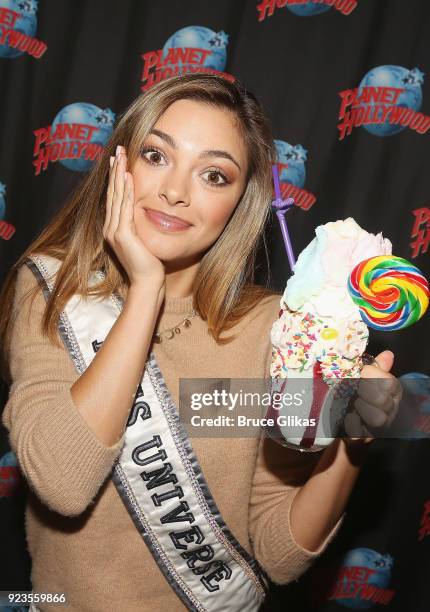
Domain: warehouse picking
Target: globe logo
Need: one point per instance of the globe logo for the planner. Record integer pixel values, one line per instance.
(308, 9)
(411, 97)
(26, 23)
(2, 201)
(418, 384)
(416, 400)
(292, 163)
(304, 8)
(84, 113)
(9, 474)
(365, 574)
(199, 37)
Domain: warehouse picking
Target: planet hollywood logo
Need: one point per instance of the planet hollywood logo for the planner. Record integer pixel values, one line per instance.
(7, 230)
(18, 24)
(385, 103)
(292, 173)
(9, 475)
(76, 137)
(420, 233)
(304, 8)
(363, 579)
(190, 49)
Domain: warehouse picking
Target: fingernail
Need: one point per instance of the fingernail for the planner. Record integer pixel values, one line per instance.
(118, 151)
(111, 160)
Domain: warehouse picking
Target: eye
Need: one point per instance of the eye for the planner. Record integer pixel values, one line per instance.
(152, 156)
(214, 176)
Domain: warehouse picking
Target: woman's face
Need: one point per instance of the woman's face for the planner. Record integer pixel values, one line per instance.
(192, 166)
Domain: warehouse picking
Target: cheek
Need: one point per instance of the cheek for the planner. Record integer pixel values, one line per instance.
(140, 221)
(145, 184)
(217, 211)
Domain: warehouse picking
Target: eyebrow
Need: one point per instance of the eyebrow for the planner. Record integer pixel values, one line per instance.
(203, 154)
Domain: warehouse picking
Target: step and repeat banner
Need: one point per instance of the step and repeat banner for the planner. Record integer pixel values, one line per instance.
(346, 84)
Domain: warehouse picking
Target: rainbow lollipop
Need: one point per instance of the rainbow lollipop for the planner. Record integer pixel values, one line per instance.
(390, 292)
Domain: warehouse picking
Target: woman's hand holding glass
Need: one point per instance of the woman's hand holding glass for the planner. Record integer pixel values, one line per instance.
(377, 402)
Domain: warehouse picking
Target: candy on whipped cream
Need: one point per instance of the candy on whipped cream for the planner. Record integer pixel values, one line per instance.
(302, 338)
(319, 320)
(319, 334)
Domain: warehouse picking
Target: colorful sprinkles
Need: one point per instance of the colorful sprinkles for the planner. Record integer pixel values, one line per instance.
(297, 342)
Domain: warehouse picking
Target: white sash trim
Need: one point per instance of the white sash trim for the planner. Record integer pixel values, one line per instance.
(158, 475)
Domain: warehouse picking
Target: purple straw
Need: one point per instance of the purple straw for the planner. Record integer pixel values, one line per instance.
(276, 182)
(282, 206)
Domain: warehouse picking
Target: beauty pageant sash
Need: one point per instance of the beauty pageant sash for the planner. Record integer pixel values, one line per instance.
(158, 475)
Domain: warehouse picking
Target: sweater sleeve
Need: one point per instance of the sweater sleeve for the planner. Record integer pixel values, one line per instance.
(62, 459)
(279, 474)
(278, 477)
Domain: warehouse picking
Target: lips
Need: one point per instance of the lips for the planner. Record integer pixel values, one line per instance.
(162, 218)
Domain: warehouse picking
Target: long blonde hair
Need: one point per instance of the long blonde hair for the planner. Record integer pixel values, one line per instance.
(224, 289)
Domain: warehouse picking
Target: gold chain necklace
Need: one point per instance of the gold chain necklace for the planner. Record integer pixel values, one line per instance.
(186, 322)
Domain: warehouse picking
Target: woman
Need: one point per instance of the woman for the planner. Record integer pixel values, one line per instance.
(123, 513)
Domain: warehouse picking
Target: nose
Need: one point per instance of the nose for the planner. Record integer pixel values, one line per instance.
(174, 188)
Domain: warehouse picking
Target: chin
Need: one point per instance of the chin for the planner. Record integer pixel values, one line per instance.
(160, 247)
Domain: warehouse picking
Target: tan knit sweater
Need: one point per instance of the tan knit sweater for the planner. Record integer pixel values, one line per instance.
(80, 536)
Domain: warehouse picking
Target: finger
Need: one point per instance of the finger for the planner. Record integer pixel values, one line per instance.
(397, 390)
(127, 212)
(374, 371)
(132, 200)
(370, 391)
(109, 194)
(385, 360)
(393, 413)
(371, 415)
(386, 382)
(366, 433)
(352, 425)
(118, 193)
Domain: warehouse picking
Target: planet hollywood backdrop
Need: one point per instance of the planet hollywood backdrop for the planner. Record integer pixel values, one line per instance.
(347, 86)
